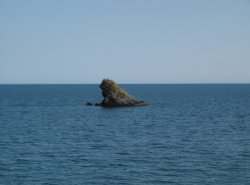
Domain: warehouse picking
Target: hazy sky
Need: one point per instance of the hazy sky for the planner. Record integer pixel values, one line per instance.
(130, 41)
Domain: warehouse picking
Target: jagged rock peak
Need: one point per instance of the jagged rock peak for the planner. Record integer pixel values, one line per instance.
(115, 96)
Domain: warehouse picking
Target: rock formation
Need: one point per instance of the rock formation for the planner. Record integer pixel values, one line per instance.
(115, 96)
(89, 104)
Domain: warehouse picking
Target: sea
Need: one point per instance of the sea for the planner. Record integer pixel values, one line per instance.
(190, 134)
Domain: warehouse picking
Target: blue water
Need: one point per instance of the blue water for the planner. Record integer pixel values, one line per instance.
(189, 134)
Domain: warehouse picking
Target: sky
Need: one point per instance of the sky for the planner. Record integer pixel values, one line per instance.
(129, 41)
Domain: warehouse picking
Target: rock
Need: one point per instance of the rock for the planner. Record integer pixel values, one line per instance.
(89, 104)
(115, 96)
(98, 104)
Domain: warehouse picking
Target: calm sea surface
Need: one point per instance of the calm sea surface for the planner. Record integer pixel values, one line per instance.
(189, 134)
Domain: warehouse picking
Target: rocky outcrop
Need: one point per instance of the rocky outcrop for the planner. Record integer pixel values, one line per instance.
(115, 96)
(89, 104)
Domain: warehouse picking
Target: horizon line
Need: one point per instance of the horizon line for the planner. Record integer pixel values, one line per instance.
(210, 83)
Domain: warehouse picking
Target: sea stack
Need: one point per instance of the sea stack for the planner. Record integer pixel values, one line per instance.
(115, 96)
